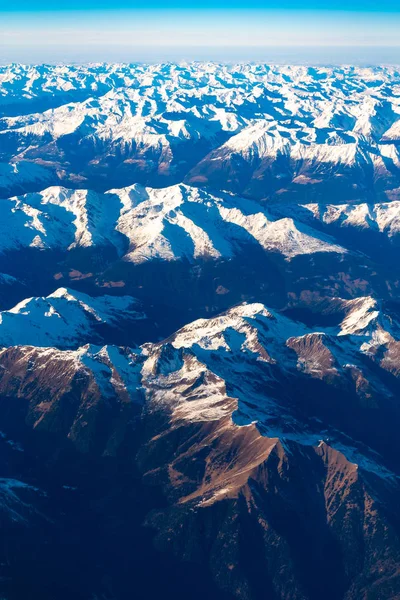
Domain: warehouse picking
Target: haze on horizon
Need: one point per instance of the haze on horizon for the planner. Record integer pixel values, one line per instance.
(271, 31)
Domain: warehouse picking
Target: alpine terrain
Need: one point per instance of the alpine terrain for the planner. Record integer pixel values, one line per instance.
(199, 332)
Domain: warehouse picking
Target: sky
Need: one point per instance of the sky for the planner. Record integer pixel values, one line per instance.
(324, 31)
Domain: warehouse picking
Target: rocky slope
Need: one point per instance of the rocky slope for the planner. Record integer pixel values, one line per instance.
(241, 424)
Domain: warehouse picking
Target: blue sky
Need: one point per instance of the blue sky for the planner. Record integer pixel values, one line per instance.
(53, 5)
(362, 31)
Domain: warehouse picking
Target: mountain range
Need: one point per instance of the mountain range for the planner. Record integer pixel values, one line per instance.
(199, 332)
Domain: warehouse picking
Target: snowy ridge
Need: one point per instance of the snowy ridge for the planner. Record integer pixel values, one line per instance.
(64, 319)
(236, 365)
(383, 217)
(170, 223)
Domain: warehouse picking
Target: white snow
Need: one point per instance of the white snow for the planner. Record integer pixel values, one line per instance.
(63, 319)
